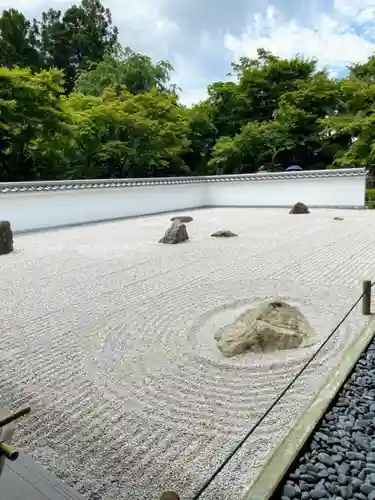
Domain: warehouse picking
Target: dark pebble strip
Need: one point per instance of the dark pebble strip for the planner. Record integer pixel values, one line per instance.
(340, 461)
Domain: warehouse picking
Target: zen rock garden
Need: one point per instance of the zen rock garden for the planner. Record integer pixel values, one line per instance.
(271, 326)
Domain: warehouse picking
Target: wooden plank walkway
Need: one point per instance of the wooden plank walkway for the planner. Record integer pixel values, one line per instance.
(25, 479)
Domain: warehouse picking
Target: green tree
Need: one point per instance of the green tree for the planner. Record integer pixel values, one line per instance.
(76, 39)
(298, 121)
(19, 45)
(126, 135)
(30, 117)
(124, 68)
(202, 136)
(263, 82)
(253, 147)
(225, 106)
(354, 125)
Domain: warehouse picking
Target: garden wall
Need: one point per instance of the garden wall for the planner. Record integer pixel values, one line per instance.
(38, 205)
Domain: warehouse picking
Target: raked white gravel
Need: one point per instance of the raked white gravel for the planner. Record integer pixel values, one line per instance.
(108, 335)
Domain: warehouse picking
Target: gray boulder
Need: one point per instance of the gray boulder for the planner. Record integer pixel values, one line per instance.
(6, 237)
(299, 208)
(223, 233)
(175, 234)
(182, 218)
(338, 218)
(271, 326)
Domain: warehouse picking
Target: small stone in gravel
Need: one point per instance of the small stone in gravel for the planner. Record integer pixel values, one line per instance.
(357, 464)
(312, 468)
(354, 455)
(318, 493)
(182, 218)
(289, 491)
(331, 488)
(308, 478)
(344, 491)
(223, 233)
(366, 489)
(342, 479)
(320, 466)
(356, 483)
(342, 468)
(360, 496)
(371, 496)
(325, 459)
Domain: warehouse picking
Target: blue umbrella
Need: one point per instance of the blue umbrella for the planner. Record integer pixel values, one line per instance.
(294, 167)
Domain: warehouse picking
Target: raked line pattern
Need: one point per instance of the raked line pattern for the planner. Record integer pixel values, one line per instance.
(109, 337)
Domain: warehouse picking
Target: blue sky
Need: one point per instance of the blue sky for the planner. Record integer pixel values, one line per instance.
(201, 37)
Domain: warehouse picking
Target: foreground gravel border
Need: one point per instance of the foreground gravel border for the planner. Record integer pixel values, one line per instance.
(340, 460)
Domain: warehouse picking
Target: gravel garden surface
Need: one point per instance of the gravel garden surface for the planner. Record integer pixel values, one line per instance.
(109, 336)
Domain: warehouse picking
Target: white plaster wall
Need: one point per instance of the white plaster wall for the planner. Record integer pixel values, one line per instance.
(314, 192)
(35, 210)
(30, 210)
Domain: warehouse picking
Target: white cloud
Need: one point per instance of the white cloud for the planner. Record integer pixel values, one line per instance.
(352, 7)
(143, 25)
(189, 33)
(188, 77)
(332, 38)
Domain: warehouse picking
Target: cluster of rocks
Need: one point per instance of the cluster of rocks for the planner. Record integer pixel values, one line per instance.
(273, 325)
(340, 460)
(177, 232)
(6, 237)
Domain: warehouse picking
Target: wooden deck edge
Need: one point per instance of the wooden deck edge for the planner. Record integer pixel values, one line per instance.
(279, 461)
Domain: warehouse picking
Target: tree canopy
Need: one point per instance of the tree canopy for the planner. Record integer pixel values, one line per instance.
(75, 103)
